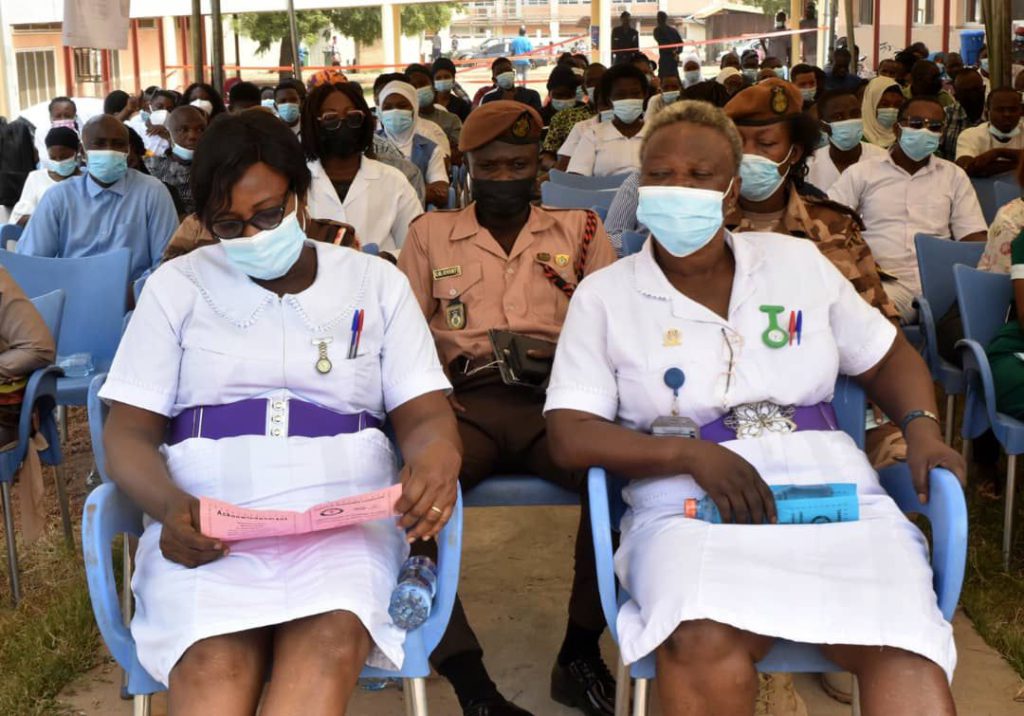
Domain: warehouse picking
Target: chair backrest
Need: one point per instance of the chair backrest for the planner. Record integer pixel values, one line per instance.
(1006, 191)
(601, 211)
(935, 261)
(96, 289)
(51, 308)
(10, 232)
(578, 181)
(632, 242)
(983, 298)
(140, 283)
(985, 188)
(98, 411)
(568, 197)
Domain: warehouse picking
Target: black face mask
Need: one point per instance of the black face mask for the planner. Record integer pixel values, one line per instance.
(507, 197)
(342, 142)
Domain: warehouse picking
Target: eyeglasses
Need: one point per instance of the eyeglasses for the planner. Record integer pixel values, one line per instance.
(332, 121)
(932, 125)
(262, 220)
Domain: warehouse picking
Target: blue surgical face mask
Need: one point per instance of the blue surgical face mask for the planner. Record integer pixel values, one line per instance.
(761, 176)
(64, 167)
(396, 121)
(607, 115)
(288, 112)
(628, 111)
(983, 64)
(847, 133)
(750, 75)
(506, 80)
(183, 153)
(268, 103)
(425, 95)
(887, 116)
(144, 116)
(942, 68)
(444, 85)
(682, 219)
(918, 144)
(781, 72)
(269, 254)
(692, 77)
(808, 93)
(559, 104)
(107, 165)
(580, 94)
(669, 97)
(1004, 136)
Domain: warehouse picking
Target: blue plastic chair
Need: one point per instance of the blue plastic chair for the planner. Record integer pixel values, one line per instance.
(40, 399)
(1006, 191)
(140, 283)
(96, 289)
(560, 196)
(519, 491)
(935, 260)
(601, 211)
(632, 242)
(10, 232)
(946, 510)
(108, 513)
(578, 181)
(984, 298)
(985, 188)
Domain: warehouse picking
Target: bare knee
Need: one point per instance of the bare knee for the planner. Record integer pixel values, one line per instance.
(220, 660)
(336, 638)
(862, 660)
(702, 642)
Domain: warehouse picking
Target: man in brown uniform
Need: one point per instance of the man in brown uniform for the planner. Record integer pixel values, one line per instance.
(503, 264)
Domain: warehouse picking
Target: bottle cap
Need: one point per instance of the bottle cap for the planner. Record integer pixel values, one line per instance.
(690, 508)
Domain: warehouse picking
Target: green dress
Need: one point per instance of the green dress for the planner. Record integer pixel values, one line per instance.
(1007, 368)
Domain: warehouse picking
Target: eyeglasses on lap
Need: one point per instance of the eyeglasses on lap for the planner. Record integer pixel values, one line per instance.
(332, 121)
(263, 220)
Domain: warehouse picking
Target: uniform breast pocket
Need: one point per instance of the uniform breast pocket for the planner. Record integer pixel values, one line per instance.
(465, 288)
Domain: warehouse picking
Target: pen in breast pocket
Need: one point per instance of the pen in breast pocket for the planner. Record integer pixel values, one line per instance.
(357, 332)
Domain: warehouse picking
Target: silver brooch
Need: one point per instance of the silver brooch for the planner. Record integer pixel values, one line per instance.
(753, 419)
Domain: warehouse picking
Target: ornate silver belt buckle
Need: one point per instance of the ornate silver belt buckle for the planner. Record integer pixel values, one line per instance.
(752, 420)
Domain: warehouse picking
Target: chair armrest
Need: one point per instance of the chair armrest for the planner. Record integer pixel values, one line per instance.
(946, 510)
(42, 386)
(931, 347)
(449, 563)
(601, 528)
(108, 512)
(977, 370)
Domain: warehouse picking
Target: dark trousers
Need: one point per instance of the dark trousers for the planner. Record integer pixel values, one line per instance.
(503, 432)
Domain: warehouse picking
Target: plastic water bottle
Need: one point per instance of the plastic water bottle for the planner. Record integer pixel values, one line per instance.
(377, 684)
(795, 504)
(414, 596)
(76, 365)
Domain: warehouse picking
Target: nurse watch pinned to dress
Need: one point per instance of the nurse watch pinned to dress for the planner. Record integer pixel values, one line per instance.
(674, 425)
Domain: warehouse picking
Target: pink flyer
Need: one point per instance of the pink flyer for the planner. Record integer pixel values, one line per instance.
(225, 521)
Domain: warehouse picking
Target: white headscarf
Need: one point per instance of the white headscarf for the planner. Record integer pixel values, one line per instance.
(725, 74)
(873, 131)
(690, 57)
(404, 140)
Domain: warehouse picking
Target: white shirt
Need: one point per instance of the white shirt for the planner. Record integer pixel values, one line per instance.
(380, 203)
(606, 151)
(822, 171)
(36, 185)
(433, 132)
(975, 141)
(578, 131)
(938, 200)
(156, 145)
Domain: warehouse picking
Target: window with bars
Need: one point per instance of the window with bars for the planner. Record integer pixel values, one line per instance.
(37, 75)
(89, 64)
(866, 12)
(924, 12)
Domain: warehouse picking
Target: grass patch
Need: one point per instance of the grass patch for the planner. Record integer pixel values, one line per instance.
(51, 637)
(994, 597)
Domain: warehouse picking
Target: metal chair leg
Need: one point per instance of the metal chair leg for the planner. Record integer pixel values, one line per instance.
(142, 705)
(855, 704)
(950, 410)
(65, 509)
(62, 422)
(622, 689)
(126, 595)
(415, 695)
(12, 551)
(1011, 490)
(640, 697)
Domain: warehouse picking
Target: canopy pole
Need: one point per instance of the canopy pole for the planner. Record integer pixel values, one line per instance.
(197, 41)
(851, 43)
(293, 31)
(796, 13)
(217, 51)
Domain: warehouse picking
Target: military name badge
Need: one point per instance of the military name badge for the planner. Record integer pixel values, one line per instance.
(450, 272)
(455, 315)
(544, 256)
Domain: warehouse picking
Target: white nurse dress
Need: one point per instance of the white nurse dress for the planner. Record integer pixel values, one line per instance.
(205, 334)
(863, 583)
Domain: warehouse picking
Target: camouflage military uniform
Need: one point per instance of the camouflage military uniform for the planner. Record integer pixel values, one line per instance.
(836, 230)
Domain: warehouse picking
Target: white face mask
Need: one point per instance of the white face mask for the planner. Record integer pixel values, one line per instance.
(204, 105)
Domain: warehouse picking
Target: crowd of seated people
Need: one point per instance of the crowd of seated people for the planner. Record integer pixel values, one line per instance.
(755, 185)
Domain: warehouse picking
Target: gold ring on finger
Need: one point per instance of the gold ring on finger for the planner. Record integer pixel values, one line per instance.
(438, 510)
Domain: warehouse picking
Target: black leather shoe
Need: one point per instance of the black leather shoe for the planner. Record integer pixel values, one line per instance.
(586, 684)
(495, 706)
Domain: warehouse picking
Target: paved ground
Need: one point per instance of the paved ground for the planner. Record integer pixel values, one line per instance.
(517, 603)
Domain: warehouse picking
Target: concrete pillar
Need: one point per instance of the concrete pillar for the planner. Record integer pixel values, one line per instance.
(601, 17)
(391, 34)
(553, 25)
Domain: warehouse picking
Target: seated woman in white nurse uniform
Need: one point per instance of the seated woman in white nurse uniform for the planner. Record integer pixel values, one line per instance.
(234, 381)
(710, 599)
(348, 186)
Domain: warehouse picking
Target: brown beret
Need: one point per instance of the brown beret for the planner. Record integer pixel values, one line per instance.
(769, 101)
(503, 120)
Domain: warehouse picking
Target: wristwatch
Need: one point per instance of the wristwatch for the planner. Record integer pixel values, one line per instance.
(914, 415)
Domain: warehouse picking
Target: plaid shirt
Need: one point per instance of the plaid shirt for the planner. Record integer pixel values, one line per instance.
(956, 122)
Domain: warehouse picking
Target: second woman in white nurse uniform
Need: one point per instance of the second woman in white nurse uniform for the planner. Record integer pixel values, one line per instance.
(709, 599)
(239, 378)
